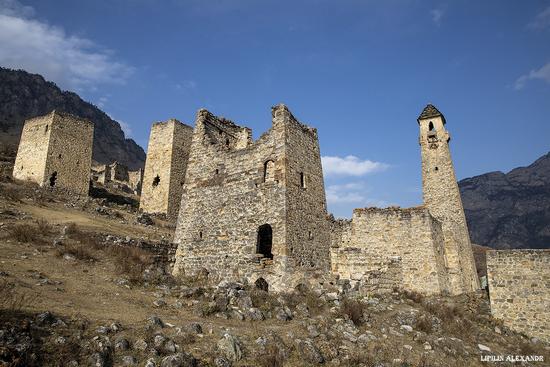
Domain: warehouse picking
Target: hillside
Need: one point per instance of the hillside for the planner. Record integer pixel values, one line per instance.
(510, 210)
(85, 283)
(24, 95)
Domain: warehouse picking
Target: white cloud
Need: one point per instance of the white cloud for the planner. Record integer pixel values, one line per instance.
(345, 193)
(349, 166)
(541, 74)
(102, 101)
(437, 15)
(541, 21)
(187, 84)
(70, 61)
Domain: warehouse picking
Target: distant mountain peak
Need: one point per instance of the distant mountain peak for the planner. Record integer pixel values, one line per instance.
(510, 210)
(24, 95)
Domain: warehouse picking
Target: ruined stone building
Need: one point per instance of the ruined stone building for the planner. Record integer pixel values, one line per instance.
(257, 209)
(56, 151)
(253, 208)
(425, 249)
(519, 287)
(165, 167)
(118, 175)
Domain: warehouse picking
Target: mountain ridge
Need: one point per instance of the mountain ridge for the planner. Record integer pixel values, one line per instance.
(509, 210)
(25, 95)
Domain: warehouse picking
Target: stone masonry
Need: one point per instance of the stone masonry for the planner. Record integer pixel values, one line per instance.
(391, 248)
(253, 209)
(442, 198)
(425, 249)
(165, 167)
(56, 151)
(519, 289)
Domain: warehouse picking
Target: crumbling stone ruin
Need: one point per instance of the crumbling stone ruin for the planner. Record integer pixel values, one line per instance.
(425, 249)
(119, 175)
(384, 249)
(165, 167)
(258, 210)
(519, 288)
(253, 209)
(56, 151)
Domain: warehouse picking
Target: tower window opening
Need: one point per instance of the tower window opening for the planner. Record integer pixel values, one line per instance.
(269, 168)
(217, 171)
(200, 235)
(53, 178)
(431, 126)
(302, 180)
(310, 235)
(265, 241)
(226, 142)
(437, 168)
(156, 181)
(46, 129)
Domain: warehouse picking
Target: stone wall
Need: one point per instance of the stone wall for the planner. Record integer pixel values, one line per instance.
(56, 150)
(165, 167)
(119, 172)
(385, 248)
(235, 186)
(442, 198)
(519, 289)
(30, 163)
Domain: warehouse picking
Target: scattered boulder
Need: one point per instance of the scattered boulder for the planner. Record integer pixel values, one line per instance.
(179, 360)
(309, 351)
(230, 347)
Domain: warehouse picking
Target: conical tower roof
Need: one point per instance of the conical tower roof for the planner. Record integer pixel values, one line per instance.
(430, 111)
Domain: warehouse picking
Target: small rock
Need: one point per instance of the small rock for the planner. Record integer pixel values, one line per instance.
(408, 347)
(129, 361)
(151, 363)
(122, 344)
(116, 327)
(483, 348)
(407, 328)
(229, 346)
(179, 360)
(155, 321)
(103, 330)
(69, 257)
(427, 346)
(140, 344)
(145, 219)
(159, 303)
(309, 351)
(221, 362)
(60, 340)
(195, 327)
(497, 330)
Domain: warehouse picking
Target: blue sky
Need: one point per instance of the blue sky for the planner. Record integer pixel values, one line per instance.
(359, 71)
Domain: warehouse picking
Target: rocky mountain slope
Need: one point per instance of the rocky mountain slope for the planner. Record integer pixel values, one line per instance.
(510, 210)
(24, 95)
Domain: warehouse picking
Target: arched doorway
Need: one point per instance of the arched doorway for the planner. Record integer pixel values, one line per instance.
(265, 239)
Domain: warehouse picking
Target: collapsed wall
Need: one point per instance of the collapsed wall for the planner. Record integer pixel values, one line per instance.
(383, 249)
(253, 209)
(519, 289)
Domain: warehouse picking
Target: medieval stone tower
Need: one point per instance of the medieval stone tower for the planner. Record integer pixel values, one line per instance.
(442, 198)
(252, 209)
(165, 167)
(56, 151)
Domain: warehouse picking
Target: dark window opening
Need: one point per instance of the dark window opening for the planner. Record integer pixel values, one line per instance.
(437, 168)
(46, 129)
(200, 235)
(59, 156)
(226, 142)
(431, 126)
(217, 171)
(53, 178)
(265, 238)
(302, 180)
(310, 235)
(156, 181)
(262, 284)
(269, 171)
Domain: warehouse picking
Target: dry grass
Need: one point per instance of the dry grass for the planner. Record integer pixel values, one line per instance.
(76, 250)
(131, 262)
(26, 233)
(12, 300)
(87, 239)
(423, 323)
(271, 356)
(353, 309)
(263, 300)
(303, 294)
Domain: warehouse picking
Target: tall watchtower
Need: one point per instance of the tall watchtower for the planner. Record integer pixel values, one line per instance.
(442, 198)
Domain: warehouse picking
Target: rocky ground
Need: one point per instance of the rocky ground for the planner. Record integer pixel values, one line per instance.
(87, 283)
